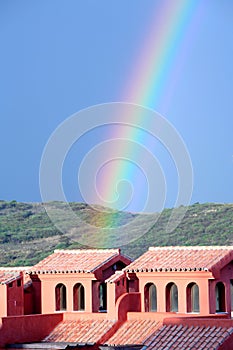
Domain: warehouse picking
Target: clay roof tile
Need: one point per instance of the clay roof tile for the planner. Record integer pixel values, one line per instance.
(72, 261)
(134, 332)
(79, 331)
(195, 258)
(189, 338)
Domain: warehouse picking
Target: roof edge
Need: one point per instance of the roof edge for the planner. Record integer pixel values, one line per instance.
(80, 251)
(198, 247)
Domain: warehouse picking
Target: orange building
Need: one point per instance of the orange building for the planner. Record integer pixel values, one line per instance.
(74, 280)
(196, 280)
(170, 297)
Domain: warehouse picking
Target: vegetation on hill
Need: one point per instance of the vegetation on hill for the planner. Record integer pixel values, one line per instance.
(27, 234)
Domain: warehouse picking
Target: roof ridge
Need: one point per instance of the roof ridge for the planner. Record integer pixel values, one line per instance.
(15, 268)
(192, 247)
(80, 251)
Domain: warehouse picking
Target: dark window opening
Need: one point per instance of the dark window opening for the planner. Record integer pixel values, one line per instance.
(103, 297)
(79, 297)
(60, 295)
(193, 303)
(18, 283)
(150, 297)
(220, 297)
(171, 298)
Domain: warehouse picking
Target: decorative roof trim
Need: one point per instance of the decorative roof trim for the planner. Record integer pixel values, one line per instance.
(46, 272)
(178, 269)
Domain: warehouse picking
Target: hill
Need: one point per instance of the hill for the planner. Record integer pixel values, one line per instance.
(27, 235)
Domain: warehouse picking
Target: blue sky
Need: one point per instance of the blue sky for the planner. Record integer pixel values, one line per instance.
(58, 57)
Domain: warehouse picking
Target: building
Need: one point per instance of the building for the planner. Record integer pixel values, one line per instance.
(170, 297)
(184, 279)
(74, 280)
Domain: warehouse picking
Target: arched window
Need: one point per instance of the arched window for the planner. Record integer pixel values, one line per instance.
(60, 297)
(150, 295)
(220, 297)
(103, 297)
(193, 304)
(78, 297)
(171, 298)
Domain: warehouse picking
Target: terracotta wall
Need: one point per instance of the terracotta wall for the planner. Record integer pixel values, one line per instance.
(11, 296)
(182, 280)
(126, 303)
(225, 276)
(28, 301)
(211, 321)
(15, 298)
(22, 329)
(120, 287)
(3, 303)
(48, 285)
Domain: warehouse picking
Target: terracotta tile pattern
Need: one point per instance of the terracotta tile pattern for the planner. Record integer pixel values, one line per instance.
(134, 332)
(80, 260)
(80, 331)
(8, 274)
(186, 338)
(182, 259)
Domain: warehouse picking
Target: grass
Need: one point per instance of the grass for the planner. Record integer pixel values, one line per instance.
(27, 234)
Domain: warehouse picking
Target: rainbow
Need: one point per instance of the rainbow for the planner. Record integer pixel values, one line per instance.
(163, 52)
(154, 75)
(150, 83)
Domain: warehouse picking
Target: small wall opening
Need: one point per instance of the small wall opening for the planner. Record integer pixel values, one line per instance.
(220, 297)
(171, 298)
(193, 300)
(103, 297)
(150, 297)
(78, 297)
(60, 297)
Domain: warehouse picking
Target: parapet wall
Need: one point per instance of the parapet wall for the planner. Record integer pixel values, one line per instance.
(27, 329)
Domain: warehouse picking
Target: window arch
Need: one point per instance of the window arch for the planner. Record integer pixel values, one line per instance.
(220, 297)
(60, 297)
(150, 297)
(171, 297)
(78, 297)
(103, 296)
(193, 301)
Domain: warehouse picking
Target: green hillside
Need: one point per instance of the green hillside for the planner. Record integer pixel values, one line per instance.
(27, 235)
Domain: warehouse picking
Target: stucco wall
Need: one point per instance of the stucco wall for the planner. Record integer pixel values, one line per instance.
(49, 283)
(182, 280)
(22, 329)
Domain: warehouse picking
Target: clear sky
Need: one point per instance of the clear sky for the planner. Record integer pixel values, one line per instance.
(60, 56)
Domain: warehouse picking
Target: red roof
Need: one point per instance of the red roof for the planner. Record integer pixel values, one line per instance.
(80, 331)
(182, 259)
(9, 274)
(134, 332)
(186, 338)
(79, 260)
